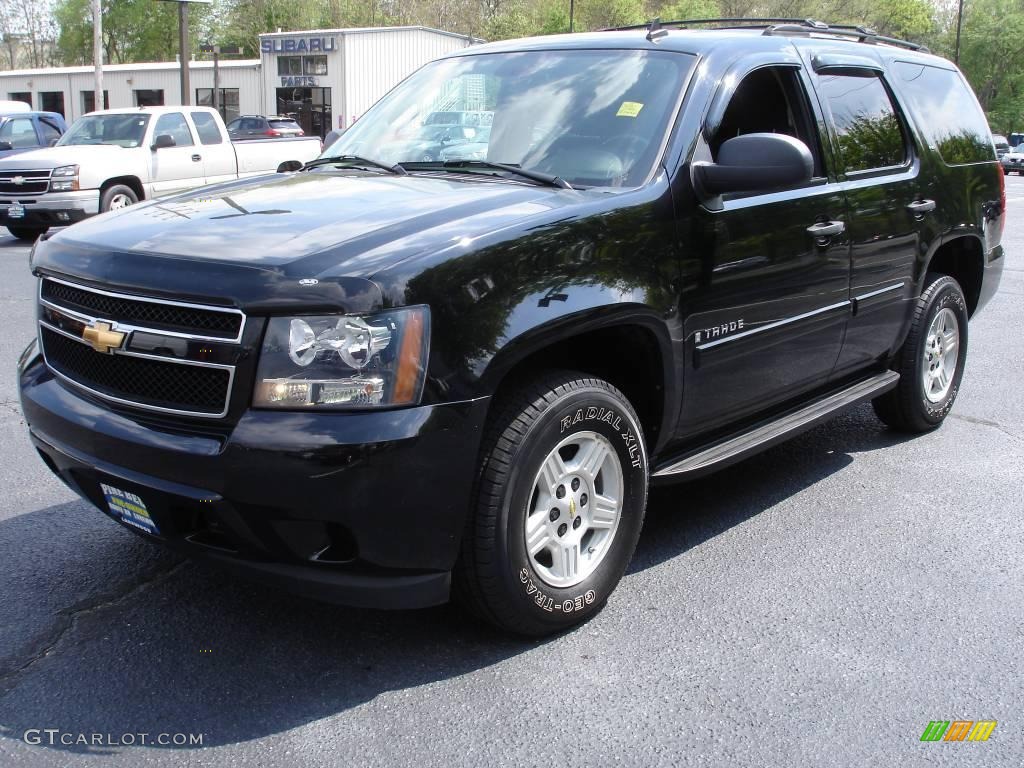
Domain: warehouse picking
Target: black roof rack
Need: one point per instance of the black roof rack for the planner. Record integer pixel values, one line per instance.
(778, 26)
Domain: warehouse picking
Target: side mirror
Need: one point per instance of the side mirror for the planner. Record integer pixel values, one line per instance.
(163, 141)
(5, 145)
(289, 166)
(52, 142)
(756, 162)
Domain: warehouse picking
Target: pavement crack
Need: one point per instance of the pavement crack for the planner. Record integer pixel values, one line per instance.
(986, 423)
(68, 619)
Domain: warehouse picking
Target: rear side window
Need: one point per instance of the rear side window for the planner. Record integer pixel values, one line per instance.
(206, 127)
(50, 131)
(946, 112)
(865, 121)
(173, 124)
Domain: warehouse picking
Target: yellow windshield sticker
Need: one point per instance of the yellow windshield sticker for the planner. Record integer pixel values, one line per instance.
(629, 109)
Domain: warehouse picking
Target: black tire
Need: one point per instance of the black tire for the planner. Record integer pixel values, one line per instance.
(114, 191)
(29, 234)
(495, 577)
(907, 408)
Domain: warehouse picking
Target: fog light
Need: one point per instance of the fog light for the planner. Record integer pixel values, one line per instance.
(63, 216)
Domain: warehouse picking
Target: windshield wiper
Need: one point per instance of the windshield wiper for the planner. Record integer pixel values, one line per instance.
(543, 178)
(354, 161)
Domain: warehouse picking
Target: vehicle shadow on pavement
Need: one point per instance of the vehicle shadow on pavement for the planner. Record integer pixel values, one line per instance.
(684, 515)
(192, 649)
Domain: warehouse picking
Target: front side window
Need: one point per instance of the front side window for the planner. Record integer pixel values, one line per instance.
(946, 112)
(174, 125)
(593, 118)
(770, 100)
(865, 121)
(19, 133)
(120, 130)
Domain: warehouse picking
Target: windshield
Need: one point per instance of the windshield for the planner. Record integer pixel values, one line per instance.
(592, 118)
(121, 130)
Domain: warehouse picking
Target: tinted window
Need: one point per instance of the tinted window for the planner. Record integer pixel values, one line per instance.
(290, 125)
(869, 132)
(173, 124)
(206, 127)
(770, 100)
(946, 112)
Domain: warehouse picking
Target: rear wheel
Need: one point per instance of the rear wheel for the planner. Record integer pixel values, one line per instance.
(29, 234)
(931, 361)
(560, 504)
(116, 197)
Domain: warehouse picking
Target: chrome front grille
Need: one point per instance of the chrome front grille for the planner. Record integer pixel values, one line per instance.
(24, 182)
(147, 353)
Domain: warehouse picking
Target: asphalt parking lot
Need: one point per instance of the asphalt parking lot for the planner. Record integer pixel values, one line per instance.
(816, 605)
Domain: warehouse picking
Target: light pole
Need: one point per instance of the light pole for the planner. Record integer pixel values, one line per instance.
(959, 24)
(183, 47)
(97, 55)
(572, 14)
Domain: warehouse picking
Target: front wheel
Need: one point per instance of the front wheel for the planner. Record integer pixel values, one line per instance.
(931, 361)
(560, 504)
(116, 197)
(29, 234)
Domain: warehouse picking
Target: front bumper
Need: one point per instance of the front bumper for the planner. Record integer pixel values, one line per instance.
(364, 509)
(52, 209)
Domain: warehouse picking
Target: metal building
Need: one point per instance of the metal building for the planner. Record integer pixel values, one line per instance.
(324, 78)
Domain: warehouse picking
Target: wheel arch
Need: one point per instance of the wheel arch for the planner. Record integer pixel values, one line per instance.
(132, 182)
(629, 348)
(962, 258)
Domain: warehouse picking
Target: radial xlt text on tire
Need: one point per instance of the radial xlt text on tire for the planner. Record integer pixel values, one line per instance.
(931, 361)
(560, 504)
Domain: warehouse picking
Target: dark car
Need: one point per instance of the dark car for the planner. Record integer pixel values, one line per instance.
(263, 126)
(22, 131)
(384, 381)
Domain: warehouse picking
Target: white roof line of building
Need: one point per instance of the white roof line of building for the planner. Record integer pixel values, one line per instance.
(363, 30)
(150, 65)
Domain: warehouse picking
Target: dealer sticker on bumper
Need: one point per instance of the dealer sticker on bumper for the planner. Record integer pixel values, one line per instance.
(129, 508)
(16, 212)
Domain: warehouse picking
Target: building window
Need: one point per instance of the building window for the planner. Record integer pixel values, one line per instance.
(89, 101)
(289, 65)
(25, 96)
(149, 98)
(314, 65)
(301, 65)
(228, 106)
(52, 101)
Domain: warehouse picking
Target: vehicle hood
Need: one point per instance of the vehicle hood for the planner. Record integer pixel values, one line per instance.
(53, 157)
(252, 238)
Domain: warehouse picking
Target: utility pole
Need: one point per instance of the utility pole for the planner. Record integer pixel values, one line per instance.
(183, 51)
(959, 23)
(97, 55)
(572, 14)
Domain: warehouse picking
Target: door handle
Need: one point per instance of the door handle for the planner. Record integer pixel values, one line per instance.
(196, 158)
(826, 229)
(921, 207)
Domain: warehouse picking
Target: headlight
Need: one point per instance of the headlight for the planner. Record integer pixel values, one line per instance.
(64, 179)
(344, 361)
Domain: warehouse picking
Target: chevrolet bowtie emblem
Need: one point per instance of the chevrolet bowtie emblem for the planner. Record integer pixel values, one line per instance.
(102, 338)
(18, 180)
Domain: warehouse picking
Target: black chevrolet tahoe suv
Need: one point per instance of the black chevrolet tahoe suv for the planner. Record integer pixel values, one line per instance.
(384, 380)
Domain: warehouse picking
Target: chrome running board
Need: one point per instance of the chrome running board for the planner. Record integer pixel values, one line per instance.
(736, 447)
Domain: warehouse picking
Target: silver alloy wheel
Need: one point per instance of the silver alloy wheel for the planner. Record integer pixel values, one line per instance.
(941, 350)
(574, 509)
(119, 200)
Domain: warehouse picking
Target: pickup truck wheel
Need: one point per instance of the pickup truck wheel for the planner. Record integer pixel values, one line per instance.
(560, 503)
(28, 234)
(117, 197)
(931, 361)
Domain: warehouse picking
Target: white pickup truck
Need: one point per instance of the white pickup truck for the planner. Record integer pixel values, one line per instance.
(112, 158)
